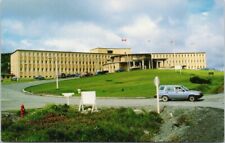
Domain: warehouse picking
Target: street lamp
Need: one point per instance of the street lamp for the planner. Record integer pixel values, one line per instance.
(128, 63)
(173, 42)
(56, 72)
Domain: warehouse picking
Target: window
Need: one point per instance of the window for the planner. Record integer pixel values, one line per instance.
(169, 89)
(178, 89)
(161, 88)
(110, 51)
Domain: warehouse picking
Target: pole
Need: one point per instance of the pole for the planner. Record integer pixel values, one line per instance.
(56, 72)
(68, 100)
(174, 61)
(156, 82)
(128, 65)
(157, 93)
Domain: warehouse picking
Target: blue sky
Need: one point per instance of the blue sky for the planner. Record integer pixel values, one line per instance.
(148, 25)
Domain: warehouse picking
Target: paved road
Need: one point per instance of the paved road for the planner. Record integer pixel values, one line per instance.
(12, 97)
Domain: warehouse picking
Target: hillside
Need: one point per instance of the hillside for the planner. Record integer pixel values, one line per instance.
(131, 84)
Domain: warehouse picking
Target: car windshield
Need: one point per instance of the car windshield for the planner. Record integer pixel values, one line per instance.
(185, 88)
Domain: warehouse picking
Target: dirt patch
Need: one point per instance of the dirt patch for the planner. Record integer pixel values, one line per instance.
(48, 119)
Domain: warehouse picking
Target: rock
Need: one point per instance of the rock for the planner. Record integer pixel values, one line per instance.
(138, 111)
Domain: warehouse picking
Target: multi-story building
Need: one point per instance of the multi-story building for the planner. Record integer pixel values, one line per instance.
(31, 63)
(188, 60)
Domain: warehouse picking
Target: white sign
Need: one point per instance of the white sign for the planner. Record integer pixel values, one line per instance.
(88, 98)
(67, 95)
(78, 90)
(178, 67)
(157, 82)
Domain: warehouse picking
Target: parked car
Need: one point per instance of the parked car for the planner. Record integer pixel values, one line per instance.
(86, 75)
(62, 75)
(14, 78)
(101, 72)
(39, 77)
(120, 70)
(178, 92)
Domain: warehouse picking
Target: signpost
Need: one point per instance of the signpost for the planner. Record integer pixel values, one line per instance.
(68, 95)
(157, 82)
(178, 67)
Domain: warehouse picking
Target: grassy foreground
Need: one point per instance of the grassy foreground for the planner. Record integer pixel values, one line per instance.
(132, 84)
(64, 123)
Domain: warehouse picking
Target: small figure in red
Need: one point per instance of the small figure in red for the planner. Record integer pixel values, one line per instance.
(22, 111)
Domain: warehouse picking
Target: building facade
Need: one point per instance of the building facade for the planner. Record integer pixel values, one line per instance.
(31, 63)
(187, 60)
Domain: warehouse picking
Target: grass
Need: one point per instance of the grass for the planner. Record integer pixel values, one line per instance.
(64, 123)
(132, 84)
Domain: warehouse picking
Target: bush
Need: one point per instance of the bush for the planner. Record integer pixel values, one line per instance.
(196, 79)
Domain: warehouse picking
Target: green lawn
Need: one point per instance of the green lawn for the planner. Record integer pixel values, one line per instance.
(132, 84)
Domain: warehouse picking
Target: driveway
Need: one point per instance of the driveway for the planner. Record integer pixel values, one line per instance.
(12, 97)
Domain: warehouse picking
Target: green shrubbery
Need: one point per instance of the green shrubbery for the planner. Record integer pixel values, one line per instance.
(62, 123)
(197, 79)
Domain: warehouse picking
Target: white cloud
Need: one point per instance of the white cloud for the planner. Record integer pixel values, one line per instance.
(143, 27)
(149, 26)
(74, 36)
(205, 13)
(68, 44)
(204, 35)
(26, 43)
(13, 26)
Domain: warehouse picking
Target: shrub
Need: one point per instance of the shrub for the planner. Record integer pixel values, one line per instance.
(183, 120)
(56, 134)
(62, 123)
(6, 122)
(196, 79)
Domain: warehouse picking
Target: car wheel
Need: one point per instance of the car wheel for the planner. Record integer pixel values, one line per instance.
(191, 98)
(165, 98)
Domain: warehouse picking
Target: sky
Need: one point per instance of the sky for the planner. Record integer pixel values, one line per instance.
(148, 25)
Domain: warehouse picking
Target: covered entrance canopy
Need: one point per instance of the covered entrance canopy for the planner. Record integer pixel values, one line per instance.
(158, 63)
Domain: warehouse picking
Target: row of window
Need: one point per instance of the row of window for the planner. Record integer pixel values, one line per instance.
(61, 62)
(185, 61)
(177, 55)
(52, 55)
(59, 69)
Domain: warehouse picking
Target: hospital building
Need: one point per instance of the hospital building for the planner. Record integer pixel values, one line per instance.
(31, 63)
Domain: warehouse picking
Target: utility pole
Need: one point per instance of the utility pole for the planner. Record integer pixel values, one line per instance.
(57, 78)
